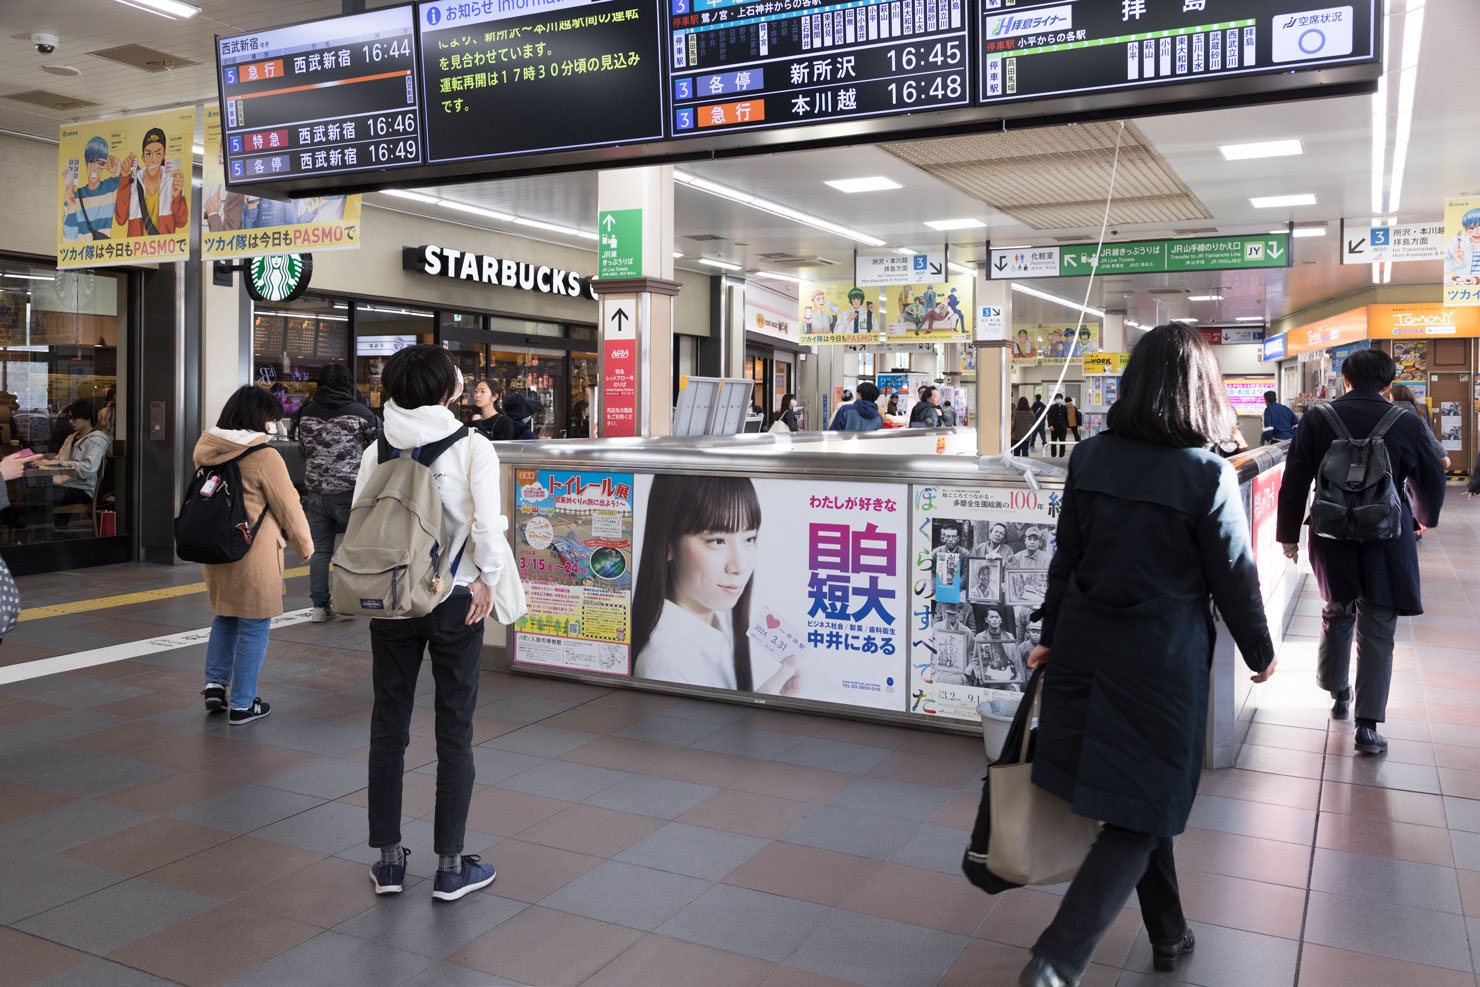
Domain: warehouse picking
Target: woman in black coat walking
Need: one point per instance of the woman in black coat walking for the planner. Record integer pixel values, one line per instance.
(1151, 525)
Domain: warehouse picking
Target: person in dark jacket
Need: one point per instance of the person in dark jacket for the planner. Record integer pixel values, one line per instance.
(334, 429)
(787, 414)
(521, 410)
(1279, 421)
(1039, 434)
(1151, 525)
(926, 412)
(861, 415)
(1022, 427)
(1058, 426)
(1366, 586)
(487, 419)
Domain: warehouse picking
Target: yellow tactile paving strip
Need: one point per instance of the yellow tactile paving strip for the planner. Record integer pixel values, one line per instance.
(128, 599)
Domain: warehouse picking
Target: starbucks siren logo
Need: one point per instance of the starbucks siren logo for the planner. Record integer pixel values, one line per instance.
(280, 277)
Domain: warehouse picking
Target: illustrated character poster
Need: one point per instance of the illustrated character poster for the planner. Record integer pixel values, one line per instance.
(573, 539)
(980, 559)
(779, 587)
(938, 312)
(237, 225)
(123, 190)
(1067, 343)
(1462, 251)
(840, 312)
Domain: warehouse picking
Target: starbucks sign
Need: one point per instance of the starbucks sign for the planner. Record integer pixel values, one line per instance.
(279, 277)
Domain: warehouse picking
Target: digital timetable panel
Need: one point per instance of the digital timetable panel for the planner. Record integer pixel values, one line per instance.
(1089, 47)
(751, 64)
(321, 98)
(508, 77)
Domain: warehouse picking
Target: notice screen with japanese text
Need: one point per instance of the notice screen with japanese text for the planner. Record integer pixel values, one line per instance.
(506, 77)
(320, 98)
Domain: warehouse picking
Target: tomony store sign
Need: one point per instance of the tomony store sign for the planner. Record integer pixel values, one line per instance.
(507, 272)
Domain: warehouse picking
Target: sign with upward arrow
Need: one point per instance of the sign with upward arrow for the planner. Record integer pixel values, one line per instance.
(620, 253)
(621, 317)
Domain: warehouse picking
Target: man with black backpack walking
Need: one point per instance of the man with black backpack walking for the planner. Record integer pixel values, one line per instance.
(1363, 455)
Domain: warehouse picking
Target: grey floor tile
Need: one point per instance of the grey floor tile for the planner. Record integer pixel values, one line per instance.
(326, 829)
(625, 894)
(893, 798)
(492, 765)
(417, 836)
(42, 760)
(676, 731)
(525, 709)
(115, 916)
(246, 809)
(307, 734)
(1270, 822)
(541, 741)
(706, 710)
(330, 778)
(417, 924)
(335, 958)
(1380, 773)
(68, 825)
(878, 952)
(936, 848)
(36, 883)
(693, 850)
(451, 975)
(101, 776)
(651, 796)
(865, 834)
(194, 718)
(1382, 928)
(1466, 847)
(1224, 958)
(104, 973)
(1385, 879)
(76, 691)
(60, 726)
(746, 742)
(753, 923)
(1462, 814)
(835, 755)
(563, 780)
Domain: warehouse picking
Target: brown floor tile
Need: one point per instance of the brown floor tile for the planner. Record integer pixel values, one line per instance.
(29, 960)
(804, 872)
(1261, 786)
(540, 946)
(781, 722)
(233, 868)
(571, 692)
(923, 769)
(164, 795)
(17, 711)
(1290, 738)
(215, 946)
(871, 734)
(1384, 838)
(1323, 966)
(747, 813)
(147, 846)
(1217, 899)
(149, 704)
(1244, 856)
(531, 872)
(660, 960)
(1339, 743)
(1465, 758)
(189, 752)
(995, 964)
(1383, 803)
(256, 762)
(600, 719)
(419, 752)
(342, 706)
(647, 702)
(485, 728)
(1021, 915)
(1469, 891)
(960, 812)
(618, 753)
(1450, 680)
(921, 897)
(126, 737)
(790, 976)
(1446, 713)
(19, 801)
(704, 767)
(418, 795)
(1459, 783)
(591, 829)
(504, 812)
(323, 894)
(946, 745)
(795, 782)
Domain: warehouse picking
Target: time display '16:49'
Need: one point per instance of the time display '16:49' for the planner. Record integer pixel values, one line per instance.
(393, 151)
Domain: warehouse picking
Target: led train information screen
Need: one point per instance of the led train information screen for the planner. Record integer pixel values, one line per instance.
(1037, 50)
(749, 64)
(508, 77)
(321, 98)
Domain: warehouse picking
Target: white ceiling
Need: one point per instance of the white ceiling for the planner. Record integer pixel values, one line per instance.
(1335, 166)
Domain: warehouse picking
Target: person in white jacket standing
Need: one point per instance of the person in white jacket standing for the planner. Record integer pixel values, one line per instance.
(422, 382)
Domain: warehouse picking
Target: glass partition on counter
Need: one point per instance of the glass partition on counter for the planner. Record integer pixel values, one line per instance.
(291, 342)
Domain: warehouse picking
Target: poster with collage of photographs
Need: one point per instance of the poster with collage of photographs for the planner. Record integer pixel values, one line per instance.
(980, 557)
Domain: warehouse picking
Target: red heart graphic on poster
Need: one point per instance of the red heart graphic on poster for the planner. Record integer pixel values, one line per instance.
(771, 621)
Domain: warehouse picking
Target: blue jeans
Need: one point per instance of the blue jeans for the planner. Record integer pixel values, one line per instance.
(328, 516)
(234, 655)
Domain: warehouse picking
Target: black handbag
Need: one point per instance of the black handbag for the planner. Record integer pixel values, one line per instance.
(974, 860)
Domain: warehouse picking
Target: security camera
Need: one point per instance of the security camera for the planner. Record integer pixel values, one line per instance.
(45, 43)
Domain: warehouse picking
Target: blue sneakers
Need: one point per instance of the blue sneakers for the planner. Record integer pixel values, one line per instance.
(474, 875)
(388, 878)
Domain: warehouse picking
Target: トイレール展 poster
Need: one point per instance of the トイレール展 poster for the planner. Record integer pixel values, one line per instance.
(573, 539)
(123, 190)
(1462, 251)
(932, 313)
(781, 587)
(237, 225)
(980, 570)
(840, 312)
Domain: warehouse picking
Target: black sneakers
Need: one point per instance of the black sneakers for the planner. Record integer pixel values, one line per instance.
(215, 696)
(389, 878)
(251, 714)
(1165, 958)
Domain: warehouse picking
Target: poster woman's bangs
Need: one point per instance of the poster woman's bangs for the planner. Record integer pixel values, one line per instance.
(715, 503)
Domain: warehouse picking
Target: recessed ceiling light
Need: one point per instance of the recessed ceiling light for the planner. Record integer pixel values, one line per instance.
(1204, 298)
(1279, 201)
(1310, 231)
(677, 255)
(778, 276)
(401, 193)
(906, 251)
(1249, 318)
(1188, 321)
(719, 264)
(878, 183)
(164, 8)
(964, 223)
(1261, 149)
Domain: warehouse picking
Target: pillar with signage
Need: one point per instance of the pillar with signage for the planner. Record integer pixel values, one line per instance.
(993, 345)
(635, 287)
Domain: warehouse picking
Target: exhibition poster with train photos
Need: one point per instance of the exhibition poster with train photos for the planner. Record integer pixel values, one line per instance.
(979, 569)
(573, 540)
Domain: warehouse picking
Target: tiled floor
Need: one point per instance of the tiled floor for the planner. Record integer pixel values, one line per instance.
(646, 840)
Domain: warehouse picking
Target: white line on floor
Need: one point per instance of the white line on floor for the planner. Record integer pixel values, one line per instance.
(126, 650)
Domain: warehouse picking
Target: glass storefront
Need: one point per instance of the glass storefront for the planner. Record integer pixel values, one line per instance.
(292, 341)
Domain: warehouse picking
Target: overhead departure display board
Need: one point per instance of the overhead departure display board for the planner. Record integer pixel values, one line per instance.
(1033, 51)
(321, 98)
(525, 76)
(749, 64)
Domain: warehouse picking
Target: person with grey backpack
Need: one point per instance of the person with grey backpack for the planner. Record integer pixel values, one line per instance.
(1362, 454)
(422, 555)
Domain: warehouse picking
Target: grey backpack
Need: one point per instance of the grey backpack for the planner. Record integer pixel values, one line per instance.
(1357, 498)
(392, 562)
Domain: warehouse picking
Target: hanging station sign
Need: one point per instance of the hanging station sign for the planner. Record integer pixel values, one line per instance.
(1219, 253)
(465, 265)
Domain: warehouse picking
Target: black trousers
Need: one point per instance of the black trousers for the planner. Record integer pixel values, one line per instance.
(1120, 859)
(396, 649)
(1056, 441)
(1375, 627)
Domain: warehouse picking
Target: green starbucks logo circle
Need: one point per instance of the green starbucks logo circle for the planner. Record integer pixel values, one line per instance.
(279, 277)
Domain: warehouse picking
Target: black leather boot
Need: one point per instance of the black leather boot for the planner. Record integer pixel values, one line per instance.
(1040, 973)
(1369, 741)
(1165, 958)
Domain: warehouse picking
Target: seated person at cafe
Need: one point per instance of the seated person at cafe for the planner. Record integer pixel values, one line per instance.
(82, 454)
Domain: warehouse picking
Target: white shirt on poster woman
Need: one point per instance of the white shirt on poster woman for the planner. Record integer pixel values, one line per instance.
(687, 648)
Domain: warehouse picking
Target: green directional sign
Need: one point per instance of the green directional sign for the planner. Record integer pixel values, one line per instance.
(1219, 253)
(621, 243)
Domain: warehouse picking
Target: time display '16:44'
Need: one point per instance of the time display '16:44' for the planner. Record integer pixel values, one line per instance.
(381, 51)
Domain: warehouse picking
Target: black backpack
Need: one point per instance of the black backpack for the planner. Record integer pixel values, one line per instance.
(212, 526)
(1357, 498)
